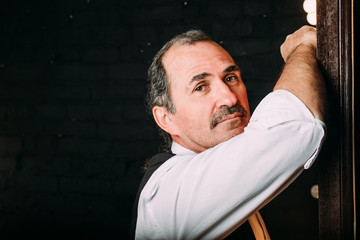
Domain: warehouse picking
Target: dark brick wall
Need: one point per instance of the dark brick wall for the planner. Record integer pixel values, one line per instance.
(73, 129)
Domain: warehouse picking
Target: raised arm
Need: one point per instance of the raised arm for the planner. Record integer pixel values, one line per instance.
(301, 75)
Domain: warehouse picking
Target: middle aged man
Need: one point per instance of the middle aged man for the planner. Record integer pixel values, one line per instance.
(223, 165)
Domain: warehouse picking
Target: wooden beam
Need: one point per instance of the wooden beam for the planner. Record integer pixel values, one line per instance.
(336, 202)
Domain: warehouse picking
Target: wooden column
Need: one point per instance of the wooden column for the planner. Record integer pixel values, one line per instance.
(336, 178)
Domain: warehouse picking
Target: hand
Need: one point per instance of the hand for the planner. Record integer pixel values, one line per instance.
(301, 74)
(306, 35)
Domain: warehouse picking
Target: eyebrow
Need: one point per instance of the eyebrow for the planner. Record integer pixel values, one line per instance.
(231, 68)
(203, 75)
(199, 77)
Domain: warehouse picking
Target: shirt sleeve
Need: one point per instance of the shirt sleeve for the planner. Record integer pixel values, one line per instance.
(208, 195)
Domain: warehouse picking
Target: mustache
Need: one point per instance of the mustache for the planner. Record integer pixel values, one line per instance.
(224, 112)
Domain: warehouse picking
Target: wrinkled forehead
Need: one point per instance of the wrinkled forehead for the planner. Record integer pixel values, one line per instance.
(188, 59)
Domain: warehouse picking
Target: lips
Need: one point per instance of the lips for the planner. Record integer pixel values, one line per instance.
(227, 113)
(229, 117)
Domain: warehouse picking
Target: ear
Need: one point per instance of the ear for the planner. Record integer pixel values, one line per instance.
(163, 119)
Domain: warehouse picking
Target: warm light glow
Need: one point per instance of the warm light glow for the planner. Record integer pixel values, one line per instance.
(310, 9)
(311, 18)
(309, 6)
(315, 191)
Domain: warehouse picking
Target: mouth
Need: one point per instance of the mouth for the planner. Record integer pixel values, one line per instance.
(226, 114)
(231, 117)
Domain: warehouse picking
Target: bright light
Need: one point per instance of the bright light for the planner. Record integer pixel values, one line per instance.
(311, 18)
(310, 9)
(309, 6)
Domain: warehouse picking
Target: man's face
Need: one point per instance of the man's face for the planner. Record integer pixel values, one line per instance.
(204, 83)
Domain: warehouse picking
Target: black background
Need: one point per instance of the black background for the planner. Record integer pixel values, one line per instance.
(73, 128)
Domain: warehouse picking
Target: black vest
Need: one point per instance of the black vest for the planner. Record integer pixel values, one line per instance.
(243, 232)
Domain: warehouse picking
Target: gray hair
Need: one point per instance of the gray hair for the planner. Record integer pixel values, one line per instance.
(158, 85)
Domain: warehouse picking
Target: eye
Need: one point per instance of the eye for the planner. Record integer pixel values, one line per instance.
(200, 88)
(231, 79)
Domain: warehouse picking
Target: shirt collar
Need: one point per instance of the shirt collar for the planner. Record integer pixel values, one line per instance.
(180, 150)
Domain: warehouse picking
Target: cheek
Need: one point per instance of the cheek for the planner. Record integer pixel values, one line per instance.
(242, 96)
(195, 116)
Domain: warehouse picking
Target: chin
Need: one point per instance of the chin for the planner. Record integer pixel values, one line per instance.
(233, 130)
(230, 134)
(236, 132)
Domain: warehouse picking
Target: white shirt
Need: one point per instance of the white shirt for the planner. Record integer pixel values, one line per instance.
(208, 195)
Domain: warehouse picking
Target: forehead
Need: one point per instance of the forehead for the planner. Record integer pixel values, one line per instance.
(189, 60)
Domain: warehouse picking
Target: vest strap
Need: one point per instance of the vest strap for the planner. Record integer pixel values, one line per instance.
(258, 226)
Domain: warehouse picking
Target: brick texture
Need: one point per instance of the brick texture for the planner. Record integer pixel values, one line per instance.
(73, 128)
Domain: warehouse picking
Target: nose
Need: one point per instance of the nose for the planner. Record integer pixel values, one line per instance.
(224, 95)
